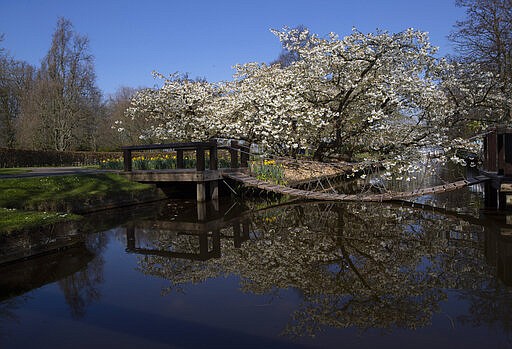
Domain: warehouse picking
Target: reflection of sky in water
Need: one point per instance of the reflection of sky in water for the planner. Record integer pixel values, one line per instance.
(302, 266)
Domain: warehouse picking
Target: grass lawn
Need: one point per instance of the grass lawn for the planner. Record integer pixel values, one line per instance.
(12, 171)
(20, 198)
(12, 219)
(23, 193)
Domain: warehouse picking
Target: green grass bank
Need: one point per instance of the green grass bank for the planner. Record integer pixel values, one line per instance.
(12, 219)
(38, 201)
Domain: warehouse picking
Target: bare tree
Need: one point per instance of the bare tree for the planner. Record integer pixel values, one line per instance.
(485, 37)
(117, 129)
(61, 109)
(15, 78)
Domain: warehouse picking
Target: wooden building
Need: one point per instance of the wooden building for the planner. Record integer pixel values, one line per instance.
(498, 151)
(497, 165)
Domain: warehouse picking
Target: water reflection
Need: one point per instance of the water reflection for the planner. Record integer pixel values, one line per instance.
(69, 254)
(8, 309)
(24, 276)
(498, 244)
(78, 270)
(195, 241)
(82, 287)
(355, 265)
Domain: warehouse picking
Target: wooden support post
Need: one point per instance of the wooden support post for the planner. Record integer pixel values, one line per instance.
(216, 243)
(130, 238)
(233, 152)
(214, 190)
(200, 163)
(214, 158)
(201, 211)
(179, 159)
(215, 204)
(244, 156)
(203, 245)
(246, 225)
(237, 241)
(127, 159)
(201, 192)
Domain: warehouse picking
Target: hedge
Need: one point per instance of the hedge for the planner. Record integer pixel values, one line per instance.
(35, 158)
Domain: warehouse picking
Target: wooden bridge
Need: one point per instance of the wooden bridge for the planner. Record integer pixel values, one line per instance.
(314, 195)
(207, 178)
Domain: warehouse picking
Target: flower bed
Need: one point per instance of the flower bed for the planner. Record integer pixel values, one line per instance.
(159, 161)
(268, 170)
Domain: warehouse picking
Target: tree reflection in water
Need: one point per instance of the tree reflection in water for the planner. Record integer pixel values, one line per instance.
(8, 311)
(355, 265)
(81, 288)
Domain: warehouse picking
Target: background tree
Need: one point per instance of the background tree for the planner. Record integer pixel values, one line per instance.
(15, 78)
(476, 98)
(116, 127)
(485, 38)
(61, 109)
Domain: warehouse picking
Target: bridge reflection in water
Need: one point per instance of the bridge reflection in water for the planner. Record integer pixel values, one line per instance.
(207, 238)
(498, 245)
(202, 239)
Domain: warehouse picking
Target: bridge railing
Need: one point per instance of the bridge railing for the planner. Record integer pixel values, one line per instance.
(237, 160)
(200, 149)
(239, 154)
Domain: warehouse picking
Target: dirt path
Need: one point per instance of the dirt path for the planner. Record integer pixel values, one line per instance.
(54, 171)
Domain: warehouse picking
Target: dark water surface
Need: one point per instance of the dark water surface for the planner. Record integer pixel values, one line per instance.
(308, 275)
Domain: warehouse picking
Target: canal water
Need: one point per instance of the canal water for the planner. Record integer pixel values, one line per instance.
(258, 274)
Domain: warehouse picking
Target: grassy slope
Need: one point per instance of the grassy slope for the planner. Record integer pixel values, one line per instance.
(12, 219)
(25, 193)
(58, 193)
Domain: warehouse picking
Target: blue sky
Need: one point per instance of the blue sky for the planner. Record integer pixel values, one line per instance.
(129, 39)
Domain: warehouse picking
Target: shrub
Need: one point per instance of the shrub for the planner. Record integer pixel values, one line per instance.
(34, 158)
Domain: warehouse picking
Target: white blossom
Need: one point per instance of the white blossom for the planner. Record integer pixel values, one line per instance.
(378, 94)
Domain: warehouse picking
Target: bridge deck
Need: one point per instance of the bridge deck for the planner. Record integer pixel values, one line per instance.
(281, 189)
(173, 175)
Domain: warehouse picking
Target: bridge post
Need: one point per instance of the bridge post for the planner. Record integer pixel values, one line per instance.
(179, 159)
(216, 243)
(127, 160)
(215, 204)
(214, 158)
(244, 156)
(130, 238)
(203, 245)
(246, 227)
(200, 166)
(214, 166)
(201, 191)
(214, 190)
(233, 152)
(200, 159)
(237, 238)
(201, 211)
